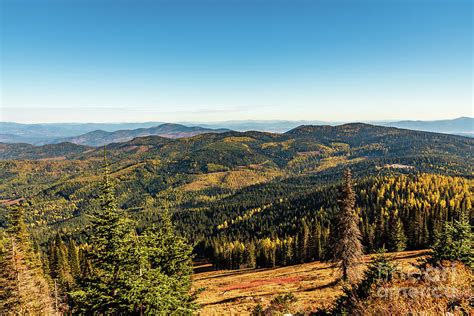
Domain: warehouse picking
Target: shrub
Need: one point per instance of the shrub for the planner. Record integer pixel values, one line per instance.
(380, 270)
(279, 305)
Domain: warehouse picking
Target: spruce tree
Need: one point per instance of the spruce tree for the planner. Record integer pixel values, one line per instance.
(347, 246)
(303, 242)
(455, 242)
(379, 270)
(73, 259)
(164, 281)
(250, 256)
(59, 263)
(132, 274)
(396, 235)
(110, 244)
(166, 249)
(318, 251)
(23, 285)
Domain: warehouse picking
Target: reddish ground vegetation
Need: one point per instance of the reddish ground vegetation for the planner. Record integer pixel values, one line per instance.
(256, 283)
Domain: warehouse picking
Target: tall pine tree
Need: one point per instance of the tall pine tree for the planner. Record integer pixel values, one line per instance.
(73, 258)
(132, 274)
(59, 264)
(164, 281)
(397, 240)
(110, 257)
(347, 246)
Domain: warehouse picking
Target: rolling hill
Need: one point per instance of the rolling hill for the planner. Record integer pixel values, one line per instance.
(233, 149)
(40, 134)
(52, 151)
(224, 169)
(243, 195)
(100, 138)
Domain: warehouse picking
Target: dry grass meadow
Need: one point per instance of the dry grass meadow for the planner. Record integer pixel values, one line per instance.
(236, 292)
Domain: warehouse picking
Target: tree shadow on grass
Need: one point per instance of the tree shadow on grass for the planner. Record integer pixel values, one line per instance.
(321, 287)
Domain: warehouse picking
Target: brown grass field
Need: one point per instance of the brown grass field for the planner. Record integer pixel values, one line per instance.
(236, 292)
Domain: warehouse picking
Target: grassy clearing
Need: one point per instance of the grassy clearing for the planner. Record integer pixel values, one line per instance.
(233, 179)
(236, 292)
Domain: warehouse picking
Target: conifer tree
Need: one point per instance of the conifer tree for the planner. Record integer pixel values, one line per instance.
(455, 242)
(73, 259)
(303, 242)
(132, 274)
(379, 270)
(347, 246)
(110, 243)
(59, 263)
(396, 235)
(84, 265)
(318, 250)
(250, 256)
(166, 249)
(23, 286)
(288, 254)
(164, 281)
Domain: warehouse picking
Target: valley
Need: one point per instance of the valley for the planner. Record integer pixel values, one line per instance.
(259, 207)
(260, 158)
(210, 179)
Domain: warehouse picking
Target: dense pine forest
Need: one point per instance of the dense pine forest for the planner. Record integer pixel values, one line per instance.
(396, 212)
(81, 233)
(116, 271)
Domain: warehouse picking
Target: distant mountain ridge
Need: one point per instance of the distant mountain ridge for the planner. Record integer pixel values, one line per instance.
(241, 148)
(461, 125)
(40, 134)
(97, 134)
(167, 130)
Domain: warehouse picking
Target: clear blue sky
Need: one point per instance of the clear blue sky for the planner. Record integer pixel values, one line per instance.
(112, 60)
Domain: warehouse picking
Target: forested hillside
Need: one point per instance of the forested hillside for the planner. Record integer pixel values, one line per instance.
(86, 133)
(396, 212)
(218, 176)
(244, 199)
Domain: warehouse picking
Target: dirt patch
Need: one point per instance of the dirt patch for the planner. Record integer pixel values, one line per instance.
(59, 158)
(11, 202)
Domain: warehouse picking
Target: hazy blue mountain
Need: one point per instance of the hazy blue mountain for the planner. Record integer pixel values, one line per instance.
(100, 138)
(11, 138)
(273, 126)
(465, 134)
(232, 149)
(39, 134)
(461, 126)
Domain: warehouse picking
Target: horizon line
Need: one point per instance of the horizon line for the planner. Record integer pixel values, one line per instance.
(242, 120)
